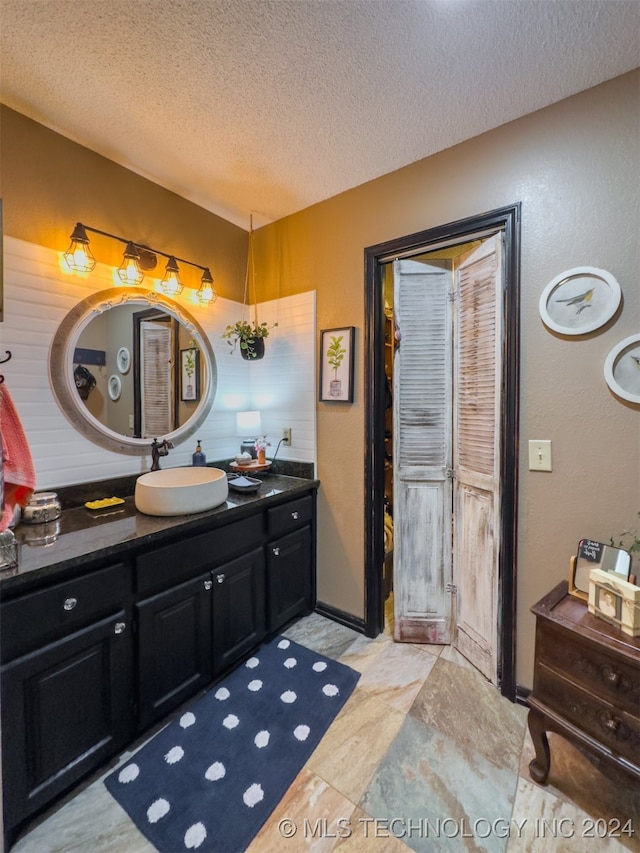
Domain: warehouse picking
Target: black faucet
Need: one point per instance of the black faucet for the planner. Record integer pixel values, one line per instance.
(158, 449)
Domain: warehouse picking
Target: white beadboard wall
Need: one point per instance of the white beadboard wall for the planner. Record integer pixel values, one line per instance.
(38, 294)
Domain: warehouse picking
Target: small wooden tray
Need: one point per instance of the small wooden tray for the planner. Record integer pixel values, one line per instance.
(254, 466)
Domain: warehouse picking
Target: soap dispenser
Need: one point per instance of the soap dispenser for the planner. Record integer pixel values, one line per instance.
(198, 457)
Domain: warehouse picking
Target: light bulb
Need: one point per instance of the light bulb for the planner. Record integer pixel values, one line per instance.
(129, 271)
(171, 283)
(78, 256)
(206, 293)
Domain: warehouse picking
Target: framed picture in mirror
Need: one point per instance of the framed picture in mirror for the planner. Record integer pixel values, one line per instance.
(189, 375)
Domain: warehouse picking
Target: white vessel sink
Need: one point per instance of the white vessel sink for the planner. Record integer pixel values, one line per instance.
(180, 491)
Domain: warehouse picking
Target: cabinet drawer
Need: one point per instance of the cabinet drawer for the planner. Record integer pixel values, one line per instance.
(164, 567)
(40, 617)
(610, 676)
(607, 724)
(282, 519)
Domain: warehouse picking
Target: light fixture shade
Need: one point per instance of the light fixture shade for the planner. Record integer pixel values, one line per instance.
(249, 424)
(171, 283)
(206, 293)
(78, 256)
(129, 271)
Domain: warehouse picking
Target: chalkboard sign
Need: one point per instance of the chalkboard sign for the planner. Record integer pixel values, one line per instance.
(590, 550)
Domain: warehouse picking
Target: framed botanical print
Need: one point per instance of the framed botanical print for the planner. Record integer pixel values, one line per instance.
(336, 365)
(189, 375)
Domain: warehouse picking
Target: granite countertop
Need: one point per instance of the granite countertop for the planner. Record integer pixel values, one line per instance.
(80, 534)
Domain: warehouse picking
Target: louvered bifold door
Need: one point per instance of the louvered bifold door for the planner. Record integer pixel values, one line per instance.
(477, 371)
(157, 380)
(422, 452)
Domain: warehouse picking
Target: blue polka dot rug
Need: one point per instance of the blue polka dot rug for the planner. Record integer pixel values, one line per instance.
(210, 779)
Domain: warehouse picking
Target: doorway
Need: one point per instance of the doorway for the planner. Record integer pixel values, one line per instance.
(504, 226)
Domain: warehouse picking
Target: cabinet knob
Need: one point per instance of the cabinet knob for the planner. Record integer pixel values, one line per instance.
(294, 515)
(119, 627)
(613, 677)
(220, 578)
(208, 584)
(276, 552)
(612, 723)
(70, 603)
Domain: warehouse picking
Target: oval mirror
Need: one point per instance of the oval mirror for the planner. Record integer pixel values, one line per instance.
(127, 367)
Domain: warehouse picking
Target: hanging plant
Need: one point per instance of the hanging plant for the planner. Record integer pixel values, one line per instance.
(250, 336)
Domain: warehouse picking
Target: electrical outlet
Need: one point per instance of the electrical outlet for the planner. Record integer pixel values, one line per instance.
(286, 435)
(130, 421)
(539, 455)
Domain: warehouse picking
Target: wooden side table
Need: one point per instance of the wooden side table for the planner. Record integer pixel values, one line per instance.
(586, 685)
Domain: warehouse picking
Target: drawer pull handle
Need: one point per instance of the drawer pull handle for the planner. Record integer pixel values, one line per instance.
(208, 584)
(294, 515)
(70, 603)
(276, 552)
(119, 627)
(220, 578)
(613, 678)
(613, 724)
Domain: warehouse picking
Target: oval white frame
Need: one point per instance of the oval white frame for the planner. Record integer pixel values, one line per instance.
(580, 272)
(610, 366)
(61, 368)
(114, 386)
(123, 360)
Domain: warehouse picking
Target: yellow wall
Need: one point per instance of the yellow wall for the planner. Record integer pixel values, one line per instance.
(49, 183)
(575, 167)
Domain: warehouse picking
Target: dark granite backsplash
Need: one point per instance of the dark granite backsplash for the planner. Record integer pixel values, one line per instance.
(123, 487)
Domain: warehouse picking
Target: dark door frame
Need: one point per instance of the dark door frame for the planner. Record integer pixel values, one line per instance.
(507, 220)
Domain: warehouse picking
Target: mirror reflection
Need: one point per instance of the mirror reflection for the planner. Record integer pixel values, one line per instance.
(143, 398)
(127, 367)
(597, 555)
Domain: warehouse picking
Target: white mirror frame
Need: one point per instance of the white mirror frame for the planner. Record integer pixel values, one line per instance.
(61, 368)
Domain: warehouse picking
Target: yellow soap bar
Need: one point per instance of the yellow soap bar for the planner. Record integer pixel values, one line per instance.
(104, 503)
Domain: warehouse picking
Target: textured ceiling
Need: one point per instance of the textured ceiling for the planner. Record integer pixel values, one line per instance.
(268, 106)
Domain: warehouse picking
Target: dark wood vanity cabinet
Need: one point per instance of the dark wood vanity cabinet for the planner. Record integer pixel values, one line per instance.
(91, 662)
(586, 686)
(290, 561)
(67, 686)
(239, 613)
(174, 647)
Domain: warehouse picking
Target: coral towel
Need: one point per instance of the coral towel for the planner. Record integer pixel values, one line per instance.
(18, 472)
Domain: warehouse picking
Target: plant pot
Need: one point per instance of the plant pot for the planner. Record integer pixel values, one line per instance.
(335, 387)
(252, 349)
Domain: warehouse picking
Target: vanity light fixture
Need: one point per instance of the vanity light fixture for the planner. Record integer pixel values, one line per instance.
(171, 283)
(129, 271)
(78, 256)
(137, 259)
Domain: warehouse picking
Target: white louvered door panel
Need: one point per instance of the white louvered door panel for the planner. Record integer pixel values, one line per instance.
(156, 371)
(477, 370)
(422, 452)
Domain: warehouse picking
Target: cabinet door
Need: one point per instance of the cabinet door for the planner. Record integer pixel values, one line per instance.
(66, 708)
(174, 647)
(289, 577)
(239, 612)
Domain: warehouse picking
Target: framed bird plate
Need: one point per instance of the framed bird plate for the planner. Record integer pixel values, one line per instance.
(579, 301)
(622, 369)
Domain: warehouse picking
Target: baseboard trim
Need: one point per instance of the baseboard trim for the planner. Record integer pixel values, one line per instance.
(347, 619)
(522, 694)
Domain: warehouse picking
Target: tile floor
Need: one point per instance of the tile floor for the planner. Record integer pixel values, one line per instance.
(425, 755)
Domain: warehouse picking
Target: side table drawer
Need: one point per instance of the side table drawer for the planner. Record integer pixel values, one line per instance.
(607, 724)
(610, 677)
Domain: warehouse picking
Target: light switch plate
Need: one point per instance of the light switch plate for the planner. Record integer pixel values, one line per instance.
(540, 455)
